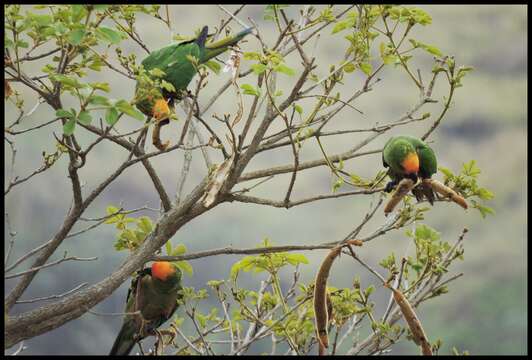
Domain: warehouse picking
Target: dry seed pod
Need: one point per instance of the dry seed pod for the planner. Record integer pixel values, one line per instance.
(413, 322)
(320, 299)
(446, 191)
(156, 135)
(403, 188)
(355, 242)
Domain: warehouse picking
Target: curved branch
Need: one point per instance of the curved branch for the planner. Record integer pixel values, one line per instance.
(289, 204)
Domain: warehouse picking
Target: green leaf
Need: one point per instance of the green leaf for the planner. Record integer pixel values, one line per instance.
(100, 86)
(185, 267)
(337, 184)
(349, 67)
(145, 224)
(448, 173)
(426, 233)
(62, 113)
(76, 36)
(68, 128)
(258, 68)
(389, 59)
(111, 210)
(179, 249)
(22, 44)
(111, 116)
(366, 68)
(168, 247)
(470, 168)
(127, 108)
(485, 194)
(251, 56)
(98, 100)
(8, 43)
(250, 90)
(420, 16)
(214, 66)
(84, 117)
(428, 48)
(299, 109)
(341, 25)
(485, 210)
(156, 72)
(65, 80)
(77, 12)
(433, 50)
(167, 86)
(108, 34)
(282, 68)
(295, 259)
(60, 28)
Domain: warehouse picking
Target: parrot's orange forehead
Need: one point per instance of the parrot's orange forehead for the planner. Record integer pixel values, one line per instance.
(161, 270)
(411, 163)
(160, 109)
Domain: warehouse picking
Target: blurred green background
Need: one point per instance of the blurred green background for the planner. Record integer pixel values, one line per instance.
(485, 311)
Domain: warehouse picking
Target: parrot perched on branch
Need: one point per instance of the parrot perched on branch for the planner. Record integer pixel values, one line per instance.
(176, 63)
(154, 293)
(409, 157)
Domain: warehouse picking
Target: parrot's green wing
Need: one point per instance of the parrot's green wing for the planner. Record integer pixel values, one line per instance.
(175, 62)
(428, 165)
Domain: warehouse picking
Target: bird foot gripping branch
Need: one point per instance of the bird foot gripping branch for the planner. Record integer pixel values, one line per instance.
(402, 189)
(406, 185)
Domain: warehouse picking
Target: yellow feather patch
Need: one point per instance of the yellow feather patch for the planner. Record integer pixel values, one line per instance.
(161, 109)
(411, 163)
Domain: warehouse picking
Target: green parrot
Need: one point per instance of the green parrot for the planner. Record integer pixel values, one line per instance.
(175, 61)
(409, 157)
(154, 292)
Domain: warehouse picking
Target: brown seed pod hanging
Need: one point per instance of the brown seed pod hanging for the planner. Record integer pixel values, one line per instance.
(413, 322)
(321, 310)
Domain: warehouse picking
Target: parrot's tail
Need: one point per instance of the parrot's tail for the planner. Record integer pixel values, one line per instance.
(124, 342)
(244, 32)
(213, 49)
(202, 38)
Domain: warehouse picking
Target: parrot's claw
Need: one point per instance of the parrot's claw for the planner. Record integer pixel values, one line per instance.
(390, 186)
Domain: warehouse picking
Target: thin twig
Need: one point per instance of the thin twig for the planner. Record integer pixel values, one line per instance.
(243, 24)
(37, 268)
(184, 337)
(289, 204)
(250, 251)
(52, 296)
